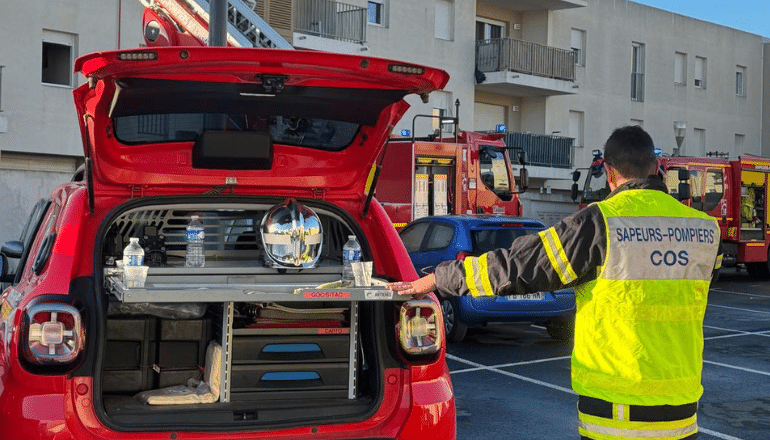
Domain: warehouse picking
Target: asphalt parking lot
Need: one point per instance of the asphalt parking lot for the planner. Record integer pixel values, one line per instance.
(512, 381)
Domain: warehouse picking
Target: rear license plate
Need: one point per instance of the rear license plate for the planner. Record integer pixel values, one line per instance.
(539, 296)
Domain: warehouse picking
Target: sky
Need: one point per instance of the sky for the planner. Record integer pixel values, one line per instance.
(747, 15)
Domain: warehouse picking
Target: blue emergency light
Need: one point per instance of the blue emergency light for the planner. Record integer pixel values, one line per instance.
(405, 132)
(500, 128)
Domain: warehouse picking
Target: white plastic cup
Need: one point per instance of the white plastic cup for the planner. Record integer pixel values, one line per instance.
(135, 276)
(362, 272)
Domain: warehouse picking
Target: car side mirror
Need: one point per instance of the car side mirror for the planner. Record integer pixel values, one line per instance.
(523, 179)
(574, 192)
(576, 175)
(12, 249)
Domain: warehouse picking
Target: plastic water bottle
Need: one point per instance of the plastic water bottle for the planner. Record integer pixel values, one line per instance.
(133, 259)
(350, 252)
(195, 237)
(133, 254)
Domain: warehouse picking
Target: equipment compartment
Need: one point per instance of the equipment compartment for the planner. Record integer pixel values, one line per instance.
(291, 340)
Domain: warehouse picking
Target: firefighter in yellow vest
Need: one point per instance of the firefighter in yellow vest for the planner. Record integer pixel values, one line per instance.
(640, 263)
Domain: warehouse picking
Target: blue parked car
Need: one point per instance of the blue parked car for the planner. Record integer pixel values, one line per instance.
(431, 240)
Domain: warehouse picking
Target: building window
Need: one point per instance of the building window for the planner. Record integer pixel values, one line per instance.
(576, 127)
(444, 20)
(578, 45)
(637, 72)
(58, 55)
(375, 13)
(489, 29)
(680, 68)
(700, 72)
(441, 102)
(740, 81)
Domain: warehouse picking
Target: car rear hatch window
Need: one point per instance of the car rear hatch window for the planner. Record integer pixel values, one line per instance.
(490, 236)
(290, 119)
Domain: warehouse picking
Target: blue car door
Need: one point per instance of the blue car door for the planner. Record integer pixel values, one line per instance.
(436, 247)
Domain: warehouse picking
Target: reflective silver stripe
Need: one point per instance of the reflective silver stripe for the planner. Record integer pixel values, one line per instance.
(620, 410)
(475, 273)
(640, 433)
(660, 248)
(557, 256)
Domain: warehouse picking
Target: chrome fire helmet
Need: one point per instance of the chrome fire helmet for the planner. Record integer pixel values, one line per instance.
(292, 235)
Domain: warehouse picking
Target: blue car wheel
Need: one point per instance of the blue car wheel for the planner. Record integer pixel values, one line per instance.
(455, 330)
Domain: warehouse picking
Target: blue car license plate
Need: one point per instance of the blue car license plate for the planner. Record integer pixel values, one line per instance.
(539, 296)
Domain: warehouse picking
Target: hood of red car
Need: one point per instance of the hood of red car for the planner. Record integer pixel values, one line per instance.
(206, 117)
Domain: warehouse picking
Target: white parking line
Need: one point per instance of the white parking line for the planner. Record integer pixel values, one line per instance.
(753, 295)
(716, 434)
(741, 309)
(748, 370)
(513, 364)
(765, 333)
(509, 374)
(481, 367)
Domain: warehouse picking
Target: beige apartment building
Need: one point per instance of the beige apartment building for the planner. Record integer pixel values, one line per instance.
(555, 75)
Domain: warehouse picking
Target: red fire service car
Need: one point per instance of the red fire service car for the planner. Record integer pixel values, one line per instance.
(273, 151)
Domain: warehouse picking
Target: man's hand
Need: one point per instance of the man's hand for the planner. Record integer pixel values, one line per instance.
(418, 289)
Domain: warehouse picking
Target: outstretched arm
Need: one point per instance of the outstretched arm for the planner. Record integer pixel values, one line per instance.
(418, 289)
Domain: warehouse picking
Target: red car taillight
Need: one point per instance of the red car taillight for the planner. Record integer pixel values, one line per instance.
(419, 329)
(52, 334)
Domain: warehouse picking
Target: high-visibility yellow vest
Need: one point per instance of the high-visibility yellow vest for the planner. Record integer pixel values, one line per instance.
(639, 325)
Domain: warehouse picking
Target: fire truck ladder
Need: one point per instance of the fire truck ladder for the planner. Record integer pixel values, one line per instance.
(245, 27)
(248, 28)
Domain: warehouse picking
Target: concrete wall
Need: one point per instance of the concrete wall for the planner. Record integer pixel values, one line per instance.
(40, 119)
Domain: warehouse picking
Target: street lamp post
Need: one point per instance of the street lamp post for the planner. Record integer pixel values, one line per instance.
(680, 129)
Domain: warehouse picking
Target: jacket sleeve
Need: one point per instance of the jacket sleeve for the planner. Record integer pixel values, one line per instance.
(563, 255)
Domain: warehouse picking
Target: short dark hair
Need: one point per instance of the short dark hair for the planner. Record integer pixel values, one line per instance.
(630, 150)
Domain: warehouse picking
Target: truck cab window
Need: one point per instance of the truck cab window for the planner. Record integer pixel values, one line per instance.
(672, 182)
(714, 189)
(494, 172)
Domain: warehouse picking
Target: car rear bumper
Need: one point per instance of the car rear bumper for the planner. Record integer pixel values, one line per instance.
(501, 309)
(406, 412)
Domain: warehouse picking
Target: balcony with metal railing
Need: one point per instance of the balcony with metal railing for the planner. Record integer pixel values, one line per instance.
(523, 68)
(546, 154)
(331, 20)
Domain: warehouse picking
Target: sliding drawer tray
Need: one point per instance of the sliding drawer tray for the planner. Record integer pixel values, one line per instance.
(291, 348)
(226, 284)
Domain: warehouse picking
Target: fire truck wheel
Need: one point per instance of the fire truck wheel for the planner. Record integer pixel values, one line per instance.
(758, 270)
(455, 330)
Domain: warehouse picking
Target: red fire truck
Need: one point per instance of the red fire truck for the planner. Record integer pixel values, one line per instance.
(735, 191)
(466, 174)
